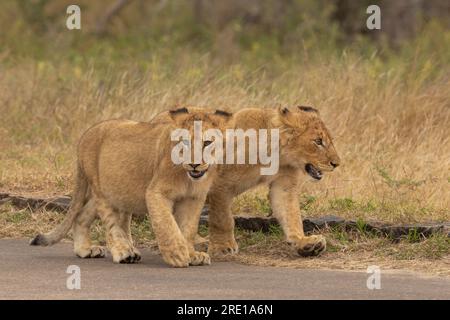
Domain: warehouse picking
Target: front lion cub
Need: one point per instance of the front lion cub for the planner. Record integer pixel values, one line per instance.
(124, 168)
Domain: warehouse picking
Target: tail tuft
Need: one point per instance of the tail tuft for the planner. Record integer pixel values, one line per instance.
(39, 240)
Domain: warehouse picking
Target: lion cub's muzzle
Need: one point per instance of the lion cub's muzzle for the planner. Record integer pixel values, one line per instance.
(196, 171)
(316, 171)
(313, 171)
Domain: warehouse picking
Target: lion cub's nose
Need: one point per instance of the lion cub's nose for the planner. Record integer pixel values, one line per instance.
(195, 165)
(334, 164)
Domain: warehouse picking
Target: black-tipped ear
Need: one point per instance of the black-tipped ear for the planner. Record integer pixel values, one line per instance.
(178, 111)
(308, 109)
(284, 112)
(223, 113)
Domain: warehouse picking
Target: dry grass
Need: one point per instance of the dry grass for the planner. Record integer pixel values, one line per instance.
(349, 251)
(358, 260)
(390, 124)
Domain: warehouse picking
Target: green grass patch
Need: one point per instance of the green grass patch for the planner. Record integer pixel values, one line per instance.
(435, 247)
(307, 202)
(342, 204)
(18, 216)
(397, 183)
(263, 205)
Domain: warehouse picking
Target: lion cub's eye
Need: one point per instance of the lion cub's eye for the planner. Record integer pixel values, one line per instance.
(206, 143)
(186, 142)
(318, 141)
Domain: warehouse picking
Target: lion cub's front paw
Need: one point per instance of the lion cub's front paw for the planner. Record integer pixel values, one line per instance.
(200, 259)
(91, 252)
(310, 246)
(223, 248)
(137, 253)
(178, 257)
(125, 255)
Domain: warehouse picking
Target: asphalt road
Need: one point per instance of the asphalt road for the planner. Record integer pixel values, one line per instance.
(40, 273)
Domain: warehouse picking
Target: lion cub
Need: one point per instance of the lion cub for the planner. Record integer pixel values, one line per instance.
(305, 147)
(124, 168)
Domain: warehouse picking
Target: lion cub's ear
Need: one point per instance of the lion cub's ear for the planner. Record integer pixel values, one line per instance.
(307, 109)
(225, 114)
(178, 114)
(288, 117)
(174, 112)
(297, 117)
(223, 117)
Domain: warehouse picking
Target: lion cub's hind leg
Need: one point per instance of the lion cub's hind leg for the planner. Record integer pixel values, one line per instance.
(83, 247)
(125, 223)
(221, 226)
(187, 214)
(116, 238)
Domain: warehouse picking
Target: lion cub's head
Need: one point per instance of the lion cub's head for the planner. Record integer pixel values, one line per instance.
(306, 142)
(197, 121)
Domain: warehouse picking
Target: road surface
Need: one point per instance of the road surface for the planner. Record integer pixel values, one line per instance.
(28, 272)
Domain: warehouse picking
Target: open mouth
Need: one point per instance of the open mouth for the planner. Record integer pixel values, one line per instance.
(195, 174)
(313, 171)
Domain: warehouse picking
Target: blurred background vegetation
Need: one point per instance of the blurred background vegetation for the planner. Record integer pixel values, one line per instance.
(383, 93)
(255, 31)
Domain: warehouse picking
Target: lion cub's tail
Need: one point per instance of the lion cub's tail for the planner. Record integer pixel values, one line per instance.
(76, 206)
